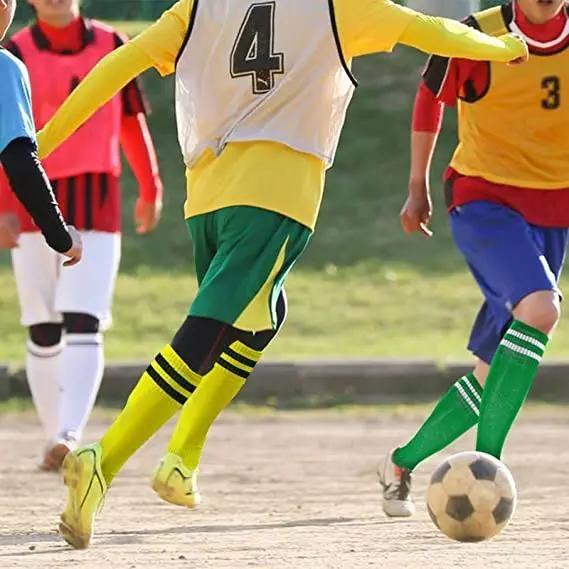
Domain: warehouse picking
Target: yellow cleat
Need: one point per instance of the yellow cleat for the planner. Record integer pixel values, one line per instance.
(86, 489)
(176, 483)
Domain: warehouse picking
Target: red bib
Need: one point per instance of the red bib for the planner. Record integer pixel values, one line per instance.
(94, 148)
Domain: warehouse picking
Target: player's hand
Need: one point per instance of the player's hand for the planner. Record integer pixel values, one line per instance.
(147, 215)
(76, 252)
(517, 43)
(417, 210)
(9, 229)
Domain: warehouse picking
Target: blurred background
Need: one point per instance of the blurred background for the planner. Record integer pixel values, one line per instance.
(363, 288)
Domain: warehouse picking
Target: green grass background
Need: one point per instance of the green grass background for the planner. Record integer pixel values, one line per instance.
(363, 288)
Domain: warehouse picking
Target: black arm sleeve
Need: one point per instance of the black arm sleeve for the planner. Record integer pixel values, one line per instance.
(31, 186)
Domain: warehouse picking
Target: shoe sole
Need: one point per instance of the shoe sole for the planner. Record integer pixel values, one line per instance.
(396, 509)
(71, 529)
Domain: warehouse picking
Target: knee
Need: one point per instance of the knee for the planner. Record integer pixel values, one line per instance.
(45, 335)
(200, 341)
(540, 310)
(78, 323)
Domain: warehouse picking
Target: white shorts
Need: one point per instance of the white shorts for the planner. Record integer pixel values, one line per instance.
(47, 289)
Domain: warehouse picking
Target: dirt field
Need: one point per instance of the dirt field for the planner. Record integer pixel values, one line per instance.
(291, 490)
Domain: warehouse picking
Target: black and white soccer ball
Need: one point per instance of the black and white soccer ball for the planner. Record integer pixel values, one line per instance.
(471, 497)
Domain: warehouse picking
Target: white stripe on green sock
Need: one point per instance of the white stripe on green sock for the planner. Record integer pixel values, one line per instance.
(455, 413)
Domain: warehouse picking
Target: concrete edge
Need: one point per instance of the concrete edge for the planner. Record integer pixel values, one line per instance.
(324, 382)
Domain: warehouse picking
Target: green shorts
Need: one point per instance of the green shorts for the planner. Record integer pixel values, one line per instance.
(243, 255)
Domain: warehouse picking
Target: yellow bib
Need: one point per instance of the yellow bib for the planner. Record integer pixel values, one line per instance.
(517, 133)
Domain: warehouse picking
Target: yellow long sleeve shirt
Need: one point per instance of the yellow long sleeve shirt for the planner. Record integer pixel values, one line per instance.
(241, 174)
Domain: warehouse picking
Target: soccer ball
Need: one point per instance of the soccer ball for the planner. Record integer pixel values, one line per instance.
(471, 496)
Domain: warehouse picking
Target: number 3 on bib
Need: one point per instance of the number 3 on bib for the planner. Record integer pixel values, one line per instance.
(253, 53)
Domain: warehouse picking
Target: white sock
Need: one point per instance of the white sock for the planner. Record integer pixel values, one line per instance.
(42, 369)
(81, 372)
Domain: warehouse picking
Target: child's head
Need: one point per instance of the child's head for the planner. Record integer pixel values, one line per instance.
(56, 12)
(7, 9)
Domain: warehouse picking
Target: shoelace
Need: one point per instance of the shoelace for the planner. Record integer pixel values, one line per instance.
(401, 488)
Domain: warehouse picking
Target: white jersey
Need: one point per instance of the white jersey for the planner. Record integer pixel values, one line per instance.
(252, 71)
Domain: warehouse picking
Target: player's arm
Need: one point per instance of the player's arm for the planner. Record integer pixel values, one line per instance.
(370, 26)
(27, 178)
(158, 47)
(427, 121)
(445, 37)
(443, 81)
(31, 186)
(138, 147)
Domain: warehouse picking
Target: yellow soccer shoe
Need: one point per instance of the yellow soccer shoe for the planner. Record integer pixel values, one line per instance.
(86, 489)
(176, 483)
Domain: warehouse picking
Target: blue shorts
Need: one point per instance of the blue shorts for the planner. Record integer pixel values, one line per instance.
(510, 259)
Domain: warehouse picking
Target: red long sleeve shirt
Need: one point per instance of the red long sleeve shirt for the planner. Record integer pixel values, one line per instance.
(92, 201)
(444, 81)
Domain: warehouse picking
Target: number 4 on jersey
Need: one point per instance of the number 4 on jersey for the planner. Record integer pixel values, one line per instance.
(253, 53)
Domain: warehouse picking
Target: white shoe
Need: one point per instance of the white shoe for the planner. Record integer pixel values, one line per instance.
(396, 484)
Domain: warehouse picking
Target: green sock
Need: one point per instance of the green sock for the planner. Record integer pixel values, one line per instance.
(511, 376)
(456, 412)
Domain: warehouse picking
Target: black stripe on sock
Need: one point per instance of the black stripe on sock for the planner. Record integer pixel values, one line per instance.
(241, 359)
(176, 376)
(235, 370)
(168, 389)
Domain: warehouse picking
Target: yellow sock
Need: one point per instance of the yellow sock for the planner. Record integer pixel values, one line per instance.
(161, 391)
(215, 391)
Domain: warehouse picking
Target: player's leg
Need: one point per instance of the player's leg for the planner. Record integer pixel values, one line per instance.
(241, 292)
(455, 413)
(231, 356)
(84, 297)
(458, 409)
(167, 382)
(82, 372)
(536, 313)
(36, 271)
(164, 387)
(486, 235)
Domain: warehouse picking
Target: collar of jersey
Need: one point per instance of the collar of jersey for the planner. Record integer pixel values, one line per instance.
(539, 44)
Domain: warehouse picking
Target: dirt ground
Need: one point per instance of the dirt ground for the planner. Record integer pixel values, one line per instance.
(287, 490)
